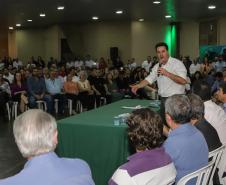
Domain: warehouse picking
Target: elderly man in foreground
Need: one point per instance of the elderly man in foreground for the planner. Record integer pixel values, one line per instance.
(185, 144)
(35, 133)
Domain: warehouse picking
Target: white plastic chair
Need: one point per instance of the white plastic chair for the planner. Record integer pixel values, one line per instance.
(215, 156)
(56, 105)
(41, 105)
(8, 110)
(202, 175)
(69, 103)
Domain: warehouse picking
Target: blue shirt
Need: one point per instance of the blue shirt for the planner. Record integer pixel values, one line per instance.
(224, 107)
(54, 86)
(187, 148)
(49, 169)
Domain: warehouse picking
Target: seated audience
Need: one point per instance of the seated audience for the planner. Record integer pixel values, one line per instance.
(214, 114)
(99, 86)
(208, 131)
(7, 75)
(54, 87)
(37, 90)
(86, 94)
(218, 80)
(113, 88)
(194, 67)
(150, 162)
(71, 90)
(206, 67)
(185, 144)
(35, 133)
(198, 120)
(222, 95)
(19, 92)
(4, 95)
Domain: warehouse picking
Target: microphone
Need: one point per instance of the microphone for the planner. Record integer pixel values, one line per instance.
(160, 65)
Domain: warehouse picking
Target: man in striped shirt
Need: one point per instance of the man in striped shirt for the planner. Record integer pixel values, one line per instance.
(150, 165)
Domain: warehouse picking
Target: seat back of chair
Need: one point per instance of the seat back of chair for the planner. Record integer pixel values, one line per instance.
(215, 156)
(202, 175)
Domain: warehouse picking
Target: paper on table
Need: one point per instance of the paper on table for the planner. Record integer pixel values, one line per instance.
(136, 107)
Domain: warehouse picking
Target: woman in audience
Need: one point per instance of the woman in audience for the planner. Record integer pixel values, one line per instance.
(4, 95)
(71, 90)
(113, 88)
(150, 162)
(19, 91)
(206, 67)
(86, 95)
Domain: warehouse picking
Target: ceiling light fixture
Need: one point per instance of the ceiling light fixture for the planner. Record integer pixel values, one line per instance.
(95, 18)
(60, 8)
(42, 15)
(211, 7)
(10, 28)
(29, 20)
(141, 20)
(18, 25)
(119, 12)
(168, 16)
(156, 2)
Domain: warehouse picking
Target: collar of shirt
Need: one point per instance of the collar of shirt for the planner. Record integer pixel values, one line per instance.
(183, 128)
(40, 159)
(146, 153)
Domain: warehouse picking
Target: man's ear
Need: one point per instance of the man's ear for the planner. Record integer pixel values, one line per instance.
(55, 137)
(168, 120)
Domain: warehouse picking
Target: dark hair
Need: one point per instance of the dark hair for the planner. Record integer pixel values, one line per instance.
(197, 106)
(223, 87)
(202, 89)
(161, 44)
(145, 129)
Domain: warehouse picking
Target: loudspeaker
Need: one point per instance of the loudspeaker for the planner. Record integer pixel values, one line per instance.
(113, 53)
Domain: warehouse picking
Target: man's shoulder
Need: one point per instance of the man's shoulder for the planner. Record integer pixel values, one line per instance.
(74, 163)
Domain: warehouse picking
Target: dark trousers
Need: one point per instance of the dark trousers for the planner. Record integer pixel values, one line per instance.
(61, 103)
(74, 99)
(87, 100)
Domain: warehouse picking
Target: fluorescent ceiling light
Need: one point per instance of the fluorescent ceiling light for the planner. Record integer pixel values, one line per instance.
(10, 28)
(168, 16)
(29, 20)
(211, 7)
(119, 12)
(42, 15)
(156, 2)
(60, 7)
(18, 25)
(95, 18)
(141, 20)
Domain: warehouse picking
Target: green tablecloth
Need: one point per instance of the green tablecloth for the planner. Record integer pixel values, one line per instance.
(93, 137)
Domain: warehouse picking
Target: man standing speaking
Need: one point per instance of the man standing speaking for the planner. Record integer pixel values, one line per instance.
(169, 73)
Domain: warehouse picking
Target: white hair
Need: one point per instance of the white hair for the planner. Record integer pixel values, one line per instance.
(34, 132)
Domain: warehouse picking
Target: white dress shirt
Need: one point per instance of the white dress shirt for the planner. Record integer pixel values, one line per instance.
(147, 65)
(216, 116)
(166, 86)
(193, 68)
(90, 63)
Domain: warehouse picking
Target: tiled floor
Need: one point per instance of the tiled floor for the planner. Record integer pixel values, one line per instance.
(11, 161)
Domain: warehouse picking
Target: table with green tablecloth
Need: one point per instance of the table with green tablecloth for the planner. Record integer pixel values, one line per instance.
(93, 137)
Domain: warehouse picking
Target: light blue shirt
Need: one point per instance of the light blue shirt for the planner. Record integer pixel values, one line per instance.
(49, 169)
(53, 86)
(188, 149)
